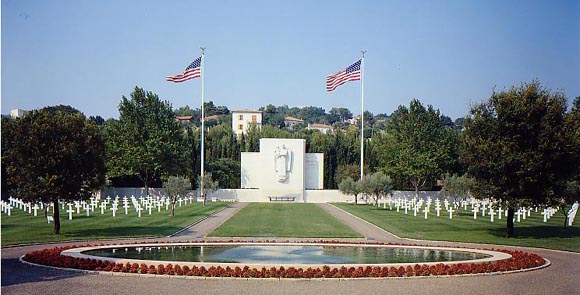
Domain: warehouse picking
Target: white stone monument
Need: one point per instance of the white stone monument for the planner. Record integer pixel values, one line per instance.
(282, 170)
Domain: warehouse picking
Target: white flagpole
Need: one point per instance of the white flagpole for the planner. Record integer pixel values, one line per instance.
(362, 115)
(202, 123)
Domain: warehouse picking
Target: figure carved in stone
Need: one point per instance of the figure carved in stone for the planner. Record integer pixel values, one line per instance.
(282, 162)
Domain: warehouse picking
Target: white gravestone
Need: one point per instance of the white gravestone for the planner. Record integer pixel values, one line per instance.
(545, 214)
(519, 215)
(70, 211)
(475, 210)
(450, 210)
(492, 214)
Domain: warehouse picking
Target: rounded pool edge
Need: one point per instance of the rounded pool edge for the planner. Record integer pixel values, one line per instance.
(76, 252)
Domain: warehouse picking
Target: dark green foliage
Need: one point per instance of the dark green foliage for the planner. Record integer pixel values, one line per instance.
(97, 120)
(225, 171)
(517, 147)
(53, 154)
(417, 147)
(146, 141)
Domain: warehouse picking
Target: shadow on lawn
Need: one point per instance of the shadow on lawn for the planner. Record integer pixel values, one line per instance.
(539, 232)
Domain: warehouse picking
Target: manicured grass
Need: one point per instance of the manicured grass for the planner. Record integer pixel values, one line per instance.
(24, 228)
(284, 220)
(532, 232)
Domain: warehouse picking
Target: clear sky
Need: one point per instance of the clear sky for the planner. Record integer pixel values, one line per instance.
(449, 54)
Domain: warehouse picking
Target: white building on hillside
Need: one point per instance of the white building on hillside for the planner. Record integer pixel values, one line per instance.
(243, 119)
(290, 122)
(325, 129)
(17, 113)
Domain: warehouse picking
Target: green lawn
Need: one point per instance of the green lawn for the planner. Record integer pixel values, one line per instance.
(532, 232)
(23, 228)
(284, 220)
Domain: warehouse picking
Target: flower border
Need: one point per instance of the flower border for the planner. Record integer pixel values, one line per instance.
(518, 262)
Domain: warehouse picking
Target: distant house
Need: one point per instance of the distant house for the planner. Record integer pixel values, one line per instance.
(353, 121)
(184, 119)
(211, 118)
(290, 122)
(325, 129)
(242, 119)
(17, 113)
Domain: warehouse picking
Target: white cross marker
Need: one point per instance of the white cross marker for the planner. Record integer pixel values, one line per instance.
(545, 213)
(70, 211)
(519, 215)
(491, 213)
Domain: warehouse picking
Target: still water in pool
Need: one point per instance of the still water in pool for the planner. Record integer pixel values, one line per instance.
(287, 254)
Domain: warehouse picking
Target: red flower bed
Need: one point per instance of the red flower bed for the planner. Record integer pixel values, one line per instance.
(519, 260)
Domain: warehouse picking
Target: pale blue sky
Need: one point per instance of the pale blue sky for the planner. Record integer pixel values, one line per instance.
(450, 54)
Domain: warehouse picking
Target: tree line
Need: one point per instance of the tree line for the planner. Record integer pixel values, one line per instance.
(520, 145)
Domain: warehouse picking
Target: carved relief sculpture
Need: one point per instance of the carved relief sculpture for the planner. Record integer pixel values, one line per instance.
(282, 163)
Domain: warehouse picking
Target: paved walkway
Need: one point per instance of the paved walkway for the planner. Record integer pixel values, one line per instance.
(560, 278)
(203, 228)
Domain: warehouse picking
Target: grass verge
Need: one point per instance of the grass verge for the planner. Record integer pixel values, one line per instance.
(25, 228)
(284, 220)
(532, 232)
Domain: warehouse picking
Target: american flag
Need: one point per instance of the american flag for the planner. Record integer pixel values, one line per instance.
(351, 73)
(192, 71)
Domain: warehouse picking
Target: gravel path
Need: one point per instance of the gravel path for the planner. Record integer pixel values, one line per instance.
(560, 278)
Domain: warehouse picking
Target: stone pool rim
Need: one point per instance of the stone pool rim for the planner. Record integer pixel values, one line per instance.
(76, 252)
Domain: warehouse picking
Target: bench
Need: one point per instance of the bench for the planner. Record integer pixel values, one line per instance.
(49, 219)
(282, 199)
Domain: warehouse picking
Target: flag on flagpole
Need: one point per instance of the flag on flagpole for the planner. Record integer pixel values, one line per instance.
(351, 73)
(192, 71)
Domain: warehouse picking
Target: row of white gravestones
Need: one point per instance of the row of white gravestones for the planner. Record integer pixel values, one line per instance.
(548, 213)
(485, 207)
(149, 203)
(75, 207)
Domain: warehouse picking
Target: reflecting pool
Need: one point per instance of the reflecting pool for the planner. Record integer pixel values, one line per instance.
(286, 254)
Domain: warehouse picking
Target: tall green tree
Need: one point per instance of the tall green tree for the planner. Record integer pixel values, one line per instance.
(417, 147)
(53, 154)
(515, 145)
(146, 141)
